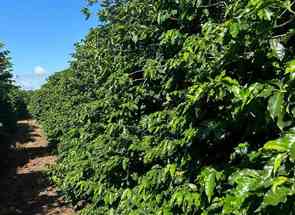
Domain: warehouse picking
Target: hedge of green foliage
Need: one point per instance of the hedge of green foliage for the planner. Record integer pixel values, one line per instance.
(178, 107)
(7, 114)
(56, 104)
(13, 102)
(19, 98)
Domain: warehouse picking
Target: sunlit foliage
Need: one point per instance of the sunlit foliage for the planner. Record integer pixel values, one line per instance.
(178, 107)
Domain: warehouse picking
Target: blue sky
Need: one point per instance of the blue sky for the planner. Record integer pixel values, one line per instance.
(40, 34)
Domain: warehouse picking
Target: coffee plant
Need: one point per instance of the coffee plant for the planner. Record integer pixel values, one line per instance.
(177, 107)
(13, 103)
(7, 115)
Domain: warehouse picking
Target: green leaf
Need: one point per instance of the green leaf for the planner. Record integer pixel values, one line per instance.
(151, 69)
(125, 163)
(209, 176)
(210, 185)
(278, 182)
(134, 37)
(276, 108)
(274, 198)
(286, 143)
(278, 49)
(290, 67)
(292, 151)
(280, 145)
(234, 29)
(265, 14)
(277, 162)
(232, 204)
(177, 198)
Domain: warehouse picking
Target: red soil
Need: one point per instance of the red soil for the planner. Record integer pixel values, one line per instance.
(24, 189)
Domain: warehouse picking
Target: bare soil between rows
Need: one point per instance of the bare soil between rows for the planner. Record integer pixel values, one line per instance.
(24, 188)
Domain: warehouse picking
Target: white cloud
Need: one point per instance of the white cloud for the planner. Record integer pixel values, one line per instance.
(39, 71)
(26, 84)
(28, 81)
(14, 76)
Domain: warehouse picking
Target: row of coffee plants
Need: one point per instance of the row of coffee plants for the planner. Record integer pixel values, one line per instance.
(7, 115)
(177, 107)
(12, 104)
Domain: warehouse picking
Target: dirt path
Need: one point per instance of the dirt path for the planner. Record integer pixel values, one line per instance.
(23, 188)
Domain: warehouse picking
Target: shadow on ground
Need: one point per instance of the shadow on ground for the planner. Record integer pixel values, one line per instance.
(25, 132)
(23, 187)
(25, 194)
(16, 157)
